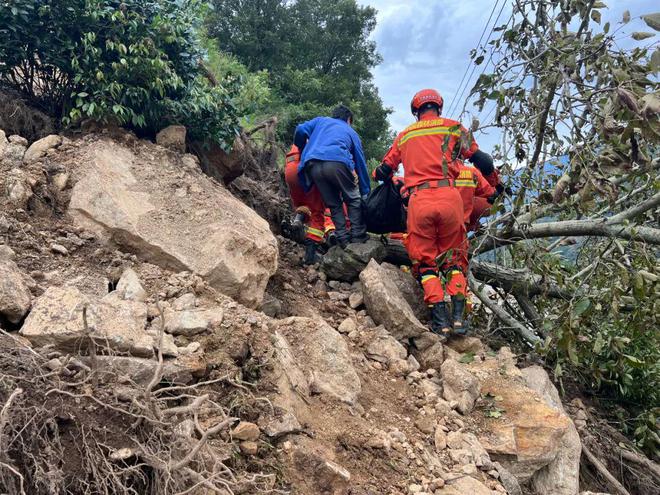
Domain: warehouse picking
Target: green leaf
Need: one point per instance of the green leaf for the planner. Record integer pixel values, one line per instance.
(600, 5)
(479, 60)
(581, 306)
(652, 20)
(467, 358)
(626, 17)
(595, 16)
(639, 36)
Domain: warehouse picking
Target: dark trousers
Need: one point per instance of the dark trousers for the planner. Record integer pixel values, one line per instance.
(338, 186)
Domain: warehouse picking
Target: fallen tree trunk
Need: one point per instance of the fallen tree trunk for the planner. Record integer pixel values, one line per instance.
(519, 281)
(601, 227)
(526, 333)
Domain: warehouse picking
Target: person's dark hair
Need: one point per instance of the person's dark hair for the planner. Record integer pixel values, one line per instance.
(342, 112)
(428, 106)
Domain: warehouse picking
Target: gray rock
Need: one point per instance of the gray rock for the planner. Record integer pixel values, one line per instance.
(385, 349)
(39, 148)
(355, 300)
(347, 326)
(184, 302)
(508, 480)
(57, 320)
(459, 385)
(562, 475)
(312, 349)
(433, 357)
(271, 306)
(130, 288)
(15, 297)
(139, 370)
(346, 264)
(386, 304)
(59, 249)
(124, 195)
(173, 137)
(329, 477)
(17, 188)
(410, 289)
(190, 322)
(284, 425)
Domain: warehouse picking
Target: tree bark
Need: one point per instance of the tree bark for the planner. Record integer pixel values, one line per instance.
(526, 333)
(575, 228)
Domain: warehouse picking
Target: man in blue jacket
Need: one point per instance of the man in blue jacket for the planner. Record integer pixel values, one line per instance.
(333, 160)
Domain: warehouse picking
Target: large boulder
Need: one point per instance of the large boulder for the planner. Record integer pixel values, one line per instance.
(529, 433)
(410, 290)
(346, 264)
(562, 475)
(57, 320)
(313, 349)
(147, 202)
(386, 304)
(15, 297)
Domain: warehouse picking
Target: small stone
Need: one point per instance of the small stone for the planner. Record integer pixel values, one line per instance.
(425, 424)
(415, 489)
(347, 326)
(399, 367)
(249, 448)
(469, 469)
(191, 348)
(413, 365)
(54, 364)
(440, 439)
(59, 249)
(246, 431)
(278, 427)
(355, 300)
(185, 302)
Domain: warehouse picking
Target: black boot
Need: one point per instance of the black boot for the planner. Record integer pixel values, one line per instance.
(440, 319)
(458, 312)
(311, 257)
(298, 228)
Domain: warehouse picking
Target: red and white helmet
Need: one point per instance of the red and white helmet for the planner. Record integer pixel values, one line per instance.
(426, 96)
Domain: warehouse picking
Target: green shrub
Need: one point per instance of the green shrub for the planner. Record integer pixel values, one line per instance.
(133, 61)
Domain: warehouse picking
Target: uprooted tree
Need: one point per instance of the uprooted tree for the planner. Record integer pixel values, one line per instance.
(576, 254)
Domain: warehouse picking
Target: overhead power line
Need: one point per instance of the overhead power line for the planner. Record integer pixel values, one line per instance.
(467, 67)
(452, 109)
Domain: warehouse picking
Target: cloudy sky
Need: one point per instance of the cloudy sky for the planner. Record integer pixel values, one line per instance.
(426, 43)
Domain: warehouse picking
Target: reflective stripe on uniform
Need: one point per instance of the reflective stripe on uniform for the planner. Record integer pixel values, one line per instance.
(431, 131)
(426, 278)
(316, 232)
(464, 183)
(292, 158)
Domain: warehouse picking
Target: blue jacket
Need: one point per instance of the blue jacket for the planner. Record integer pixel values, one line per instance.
(334, 140)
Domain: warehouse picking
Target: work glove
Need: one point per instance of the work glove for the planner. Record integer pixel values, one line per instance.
(383, 172)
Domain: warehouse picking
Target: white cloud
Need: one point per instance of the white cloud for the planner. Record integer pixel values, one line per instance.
(427, 43)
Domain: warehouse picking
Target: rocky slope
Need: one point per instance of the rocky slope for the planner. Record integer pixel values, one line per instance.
(151, 302)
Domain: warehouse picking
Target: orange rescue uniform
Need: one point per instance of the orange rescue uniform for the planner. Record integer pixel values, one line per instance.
(310, 204)
(472, 186)
(430, 151)
(482, 207)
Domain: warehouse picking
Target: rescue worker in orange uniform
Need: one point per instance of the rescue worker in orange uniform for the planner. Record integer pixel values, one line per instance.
(310, 210)
(430, 151)
(482, 205)
(472, 185)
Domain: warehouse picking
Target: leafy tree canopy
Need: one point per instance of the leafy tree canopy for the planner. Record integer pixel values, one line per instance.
(318, 54)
